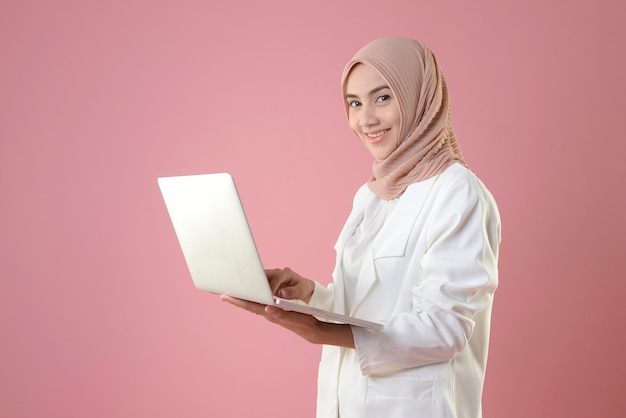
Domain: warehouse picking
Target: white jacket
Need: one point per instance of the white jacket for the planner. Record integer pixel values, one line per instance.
(430, 277)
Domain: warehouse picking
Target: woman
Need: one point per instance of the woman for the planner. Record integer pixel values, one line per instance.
(418, 252)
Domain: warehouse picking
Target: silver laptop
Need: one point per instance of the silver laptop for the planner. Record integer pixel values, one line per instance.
(217, 244)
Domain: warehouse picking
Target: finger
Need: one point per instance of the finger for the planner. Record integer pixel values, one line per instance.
(287, 293)
(256, 308)
(274, 278)
(284, 278)
(273, 271)
(277, 279)
(283, 316)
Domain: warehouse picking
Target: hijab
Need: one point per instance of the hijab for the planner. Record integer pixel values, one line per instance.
(427, 143)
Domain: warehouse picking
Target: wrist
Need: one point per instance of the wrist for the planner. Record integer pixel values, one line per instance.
(311, 290)
(336, 334)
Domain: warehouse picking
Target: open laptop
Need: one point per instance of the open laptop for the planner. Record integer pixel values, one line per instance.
(217, 243)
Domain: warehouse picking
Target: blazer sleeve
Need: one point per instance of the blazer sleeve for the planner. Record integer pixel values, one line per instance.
(458, 279)
(322, 297)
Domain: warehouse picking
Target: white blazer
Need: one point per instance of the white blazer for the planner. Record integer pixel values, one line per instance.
(430, 277)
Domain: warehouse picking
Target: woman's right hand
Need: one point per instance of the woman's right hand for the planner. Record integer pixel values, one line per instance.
(287, 284)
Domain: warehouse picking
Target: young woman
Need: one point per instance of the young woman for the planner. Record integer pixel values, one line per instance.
(418, 252)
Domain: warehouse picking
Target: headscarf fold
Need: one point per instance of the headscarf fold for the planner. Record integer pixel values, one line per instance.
(427, 142)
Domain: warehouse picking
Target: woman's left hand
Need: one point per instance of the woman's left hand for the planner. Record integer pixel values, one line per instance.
(306, 326)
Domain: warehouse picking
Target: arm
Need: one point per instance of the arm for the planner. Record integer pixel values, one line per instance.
(458, 278)
(306, 326)
(287, 284)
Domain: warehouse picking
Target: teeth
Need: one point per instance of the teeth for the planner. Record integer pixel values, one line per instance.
(377, 134)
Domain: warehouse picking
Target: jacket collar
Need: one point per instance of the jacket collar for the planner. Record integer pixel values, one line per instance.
(391, 241)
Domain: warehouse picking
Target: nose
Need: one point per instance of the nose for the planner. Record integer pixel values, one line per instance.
(368, 116)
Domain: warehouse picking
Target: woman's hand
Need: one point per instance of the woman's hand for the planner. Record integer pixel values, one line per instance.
(287, 284)
(306, 326)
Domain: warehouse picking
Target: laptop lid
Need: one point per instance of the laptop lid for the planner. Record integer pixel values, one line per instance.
(217, 243)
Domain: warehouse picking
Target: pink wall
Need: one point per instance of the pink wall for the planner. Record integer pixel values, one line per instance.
(98, 316)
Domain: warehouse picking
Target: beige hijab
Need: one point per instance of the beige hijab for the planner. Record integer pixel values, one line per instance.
(427, 141)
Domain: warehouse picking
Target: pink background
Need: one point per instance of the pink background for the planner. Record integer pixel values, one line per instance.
(98, 316)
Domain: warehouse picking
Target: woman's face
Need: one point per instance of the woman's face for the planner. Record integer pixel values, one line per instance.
(373, 111)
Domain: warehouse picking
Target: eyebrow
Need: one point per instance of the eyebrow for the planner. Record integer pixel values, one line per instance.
(374, 91)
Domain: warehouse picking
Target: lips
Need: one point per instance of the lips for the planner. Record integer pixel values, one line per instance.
(377, 136)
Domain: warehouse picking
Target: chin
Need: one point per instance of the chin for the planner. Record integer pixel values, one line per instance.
(380, 154)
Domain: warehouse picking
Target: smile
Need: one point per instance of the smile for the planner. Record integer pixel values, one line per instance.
(378, 134)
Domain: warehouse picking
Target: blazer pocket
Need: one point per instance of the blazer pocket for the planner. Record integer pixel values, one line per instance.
(400, 386)
(398, 395)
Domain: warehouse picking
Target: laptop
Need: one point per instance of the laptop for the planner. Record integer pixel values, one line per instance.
(218, 246)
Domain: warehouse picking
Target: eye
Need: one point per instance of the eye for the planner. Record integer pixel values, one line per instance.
(382, 98)
(354, 103)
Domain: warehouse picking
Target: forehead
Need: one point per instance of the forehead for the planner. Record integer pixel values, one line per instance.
(364, 79)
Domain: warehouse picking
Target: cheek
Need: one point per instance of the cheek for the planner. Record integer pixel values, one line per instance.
(392, 116)
(353, 122)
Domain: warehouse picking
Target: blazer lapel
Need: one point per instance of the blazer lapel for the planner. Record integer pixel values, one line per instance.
(353, 221)
(392, 238)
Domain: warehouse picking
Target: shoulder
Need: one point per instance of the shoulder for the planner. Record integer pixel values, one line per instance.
(362, 196)
(459, 200)
(454, 196)
(459, 184)
(455, 181)
(458, 176)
